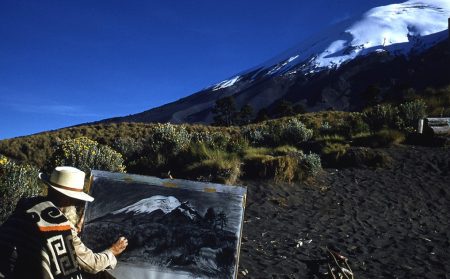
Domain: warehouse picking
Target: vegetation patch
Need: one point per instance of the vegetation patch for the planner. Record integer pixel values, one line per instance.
(332, 153)
(16, 181)
(86, 155)
(366, 157)
(382, 138)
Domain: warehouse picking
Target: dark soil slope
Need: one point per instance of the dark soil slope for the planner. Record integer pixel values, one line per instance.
(390, 223)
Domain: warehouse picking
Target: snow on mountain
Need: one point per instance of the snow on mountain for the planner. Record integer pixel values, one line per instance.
(163, 203)
(385, 28)
(226, 83)
(166, 204)
(377, 29)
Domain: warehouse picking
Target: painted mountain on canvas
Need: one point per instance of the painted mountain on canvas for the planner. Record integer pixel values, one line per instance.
(390, 48)
(164, 233)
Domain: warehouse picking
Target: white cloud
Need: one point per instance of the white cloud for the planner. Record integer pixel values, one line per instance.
(340, 18)
(54, 109)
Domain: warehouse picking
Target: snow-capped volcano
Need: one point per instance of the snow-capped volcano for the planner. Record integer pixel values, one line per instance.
(388, 47)
(397, 28)
(163, 203)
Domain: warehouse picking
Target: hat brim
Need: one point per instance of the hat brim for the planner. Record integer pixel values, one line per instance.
(72, 194)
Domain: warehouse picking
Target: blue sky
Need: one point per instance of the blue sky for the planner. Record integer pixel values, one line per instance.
(64, 63)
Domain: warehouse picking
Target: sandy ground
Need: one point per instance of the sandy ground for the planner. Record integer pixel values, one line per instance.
(390, 223)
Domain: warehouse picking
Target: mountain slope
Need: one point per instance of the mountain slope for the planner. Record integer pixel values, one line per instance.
(385, 47)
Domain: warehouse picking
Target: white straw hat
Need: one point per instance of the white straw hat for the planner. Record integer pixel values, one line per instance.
(68, 181)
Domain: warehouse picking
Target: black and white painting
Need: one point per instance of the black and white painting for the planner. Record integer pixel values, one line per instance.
(175, 228)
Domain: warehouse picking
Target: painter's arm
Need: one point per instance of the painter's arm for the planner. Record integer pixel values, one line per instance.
(95, 262)
(88, 260)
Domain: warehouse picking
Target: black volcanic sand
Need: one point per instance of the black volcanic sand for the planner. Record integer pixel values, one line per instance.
(390, 223)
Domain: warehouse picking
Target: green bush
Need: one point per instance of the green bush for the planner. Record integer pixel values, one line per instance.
(295, 132)
(220, 171)
(381, 116)
(279, 132)
(129, 147)
(254, 135)
(332, 153)
(366, 157)
(237, 144)
(212, 139)
(279, 164)
(411, 112)
(86, 154)
(284, 163)
(165, 142)
(278, 168)
(257, 166)
(16, 181)
(169, 139)
(205, 164)
(352, 125)
(284, 168)
(311, 165)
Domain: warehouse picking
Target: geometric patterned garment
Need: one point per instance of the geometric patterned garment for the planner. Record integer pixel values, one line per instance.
(36, 242)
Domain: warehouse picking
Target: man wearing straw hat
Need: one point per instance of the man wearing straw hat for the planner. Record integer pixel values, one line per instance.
(40, 239)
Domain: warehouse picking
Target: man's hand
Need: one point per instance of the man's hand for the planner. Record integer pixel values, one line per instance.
(118, 247)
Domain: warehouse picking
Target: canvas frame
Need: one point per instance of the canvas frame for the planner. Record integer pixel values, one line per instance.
(156, 186)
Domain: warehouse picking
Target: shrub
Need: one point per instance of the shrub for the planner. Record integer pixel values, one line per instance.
(200, 162)
(270, 163)
(381, 116)
(220, 171)
(411, 112)
(128, 147)
(213, 140)
(284, 168)
(211, 165)
(352, 125)
(164, 143)
(325, 126)
(295, 132)
(237, 144)
(366, 157)
(274, 133)
(332, 152)
(280, 164)
(16, 181)
(284, 163)
(169, 139)
(311, 165)
(201, 151)
(257, 166)
(201, 137)
(253, 135)
(86, 154)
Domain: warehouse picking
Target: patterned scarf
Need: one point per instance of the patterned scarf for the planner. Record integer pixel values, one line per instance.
(36, 242)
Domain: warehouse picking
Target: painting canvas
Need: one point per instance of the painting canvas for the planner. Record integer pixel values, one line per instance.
(175, 228)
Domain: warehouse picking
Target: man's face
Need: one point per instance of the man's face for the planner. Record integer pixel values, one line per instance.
(71, 214)
(73, 210)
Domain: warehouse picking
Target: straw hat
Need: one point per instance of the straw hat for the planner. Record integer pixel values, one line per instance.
(68, 181)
